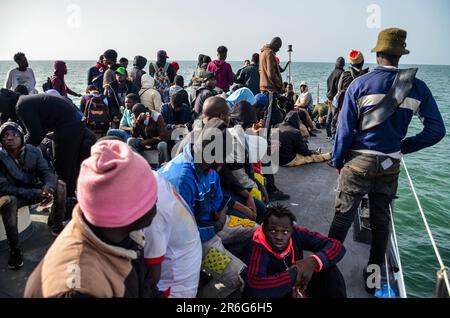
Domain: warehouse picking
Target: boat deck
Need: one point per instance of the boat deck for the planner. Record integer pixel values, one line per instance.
(312, 190)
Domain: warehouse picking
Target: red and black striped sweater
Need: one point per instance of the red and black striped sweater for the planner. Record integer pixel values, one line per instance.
(269, 275)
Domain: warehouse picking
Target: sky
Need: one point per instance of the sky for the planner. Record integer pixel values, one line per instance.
(319, 30)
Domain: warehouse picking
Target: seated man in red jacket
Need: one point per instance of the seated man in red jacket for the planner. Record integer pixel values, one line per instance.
(277, 269)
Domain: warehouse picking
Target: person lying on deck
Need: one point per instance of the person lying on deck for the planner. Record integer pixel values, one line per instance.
(277, 268)
(294, 150)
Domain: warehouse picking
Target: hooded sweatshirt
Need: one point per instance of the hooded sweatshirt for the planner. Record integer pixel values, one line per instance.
(270, 76)
(150, 97)
(271, 275)
(57, 79)
(291, 140)
(138, 70)
(242, 94)
(223, 73)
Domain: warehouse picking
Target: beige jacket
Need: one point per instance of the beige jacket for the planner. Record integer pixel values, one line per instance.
(150, 97)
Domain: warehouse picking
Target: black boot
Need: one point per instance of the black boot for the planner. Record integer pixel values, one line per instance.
(15, 259)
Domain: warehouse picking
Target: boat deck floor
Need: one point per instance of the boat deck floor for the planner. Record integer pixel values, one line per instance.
(312, 190)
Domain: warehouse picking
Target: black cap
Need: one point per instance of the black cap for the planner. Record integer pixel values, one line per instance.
(207, 75)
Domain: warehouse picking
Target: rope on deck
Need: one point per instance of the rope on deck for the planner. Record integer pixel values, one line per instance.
(443, 269)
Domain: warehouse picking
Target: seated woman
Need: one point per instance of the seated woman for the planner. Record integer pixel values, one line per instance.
(293, 148)
(277, 269)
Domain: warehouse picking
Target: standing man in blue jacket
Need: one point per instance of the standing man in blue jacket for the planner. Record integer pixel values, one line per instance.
(368, 160)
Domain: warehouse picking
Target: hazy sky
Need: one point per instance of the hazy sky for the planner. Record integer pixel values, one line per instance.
(319, 30)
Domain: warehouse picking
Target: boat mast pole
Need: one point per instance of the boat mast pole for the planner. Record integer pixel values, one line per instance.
(289, 70)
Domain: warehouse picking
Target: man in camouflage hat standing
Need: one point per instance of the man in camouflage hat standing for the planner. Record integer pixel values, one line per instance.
(367, 153)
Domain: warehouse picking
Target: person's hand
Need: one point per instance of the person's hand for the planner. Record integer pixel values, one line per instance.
(221, 218)
(250, 203)
(45, 197)
(257, 127)
(305, 270)
(141, 118)
(245, 210)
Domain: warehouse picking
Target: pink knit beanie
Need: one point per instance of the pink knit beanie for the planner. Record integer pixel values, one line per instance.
(116, 186)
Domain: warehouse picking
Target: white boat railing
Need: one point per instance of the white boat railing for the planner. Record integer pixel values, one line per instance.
(399, 275)
(443, 271)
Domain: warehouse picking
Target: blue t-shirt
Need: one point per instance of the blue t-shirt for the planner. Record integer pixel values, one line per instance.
(126, 119)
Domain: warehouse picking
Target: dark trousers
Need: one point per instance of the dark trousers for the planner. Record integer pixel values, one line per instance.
(331, 123)
(8, 208)
(71, 146)
(9, 205)
(58, 212)
(329, 283)
(364, 174)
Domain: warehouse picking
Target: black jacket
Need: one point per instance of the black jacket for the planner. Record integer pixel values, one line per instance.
(202, 95)
(95, 77)
(170, 118)
(138, 70)
(332, 82)
(291, 139)
(45, 113)
(112, 92)
(25, 178)
(249, 77)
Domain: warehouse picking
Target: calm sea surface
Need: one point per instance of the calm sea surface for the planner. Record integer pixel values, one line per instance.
(430, 168)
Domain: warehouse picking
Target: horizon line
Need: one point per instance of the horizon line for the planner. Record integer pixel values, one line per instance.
(307, 62)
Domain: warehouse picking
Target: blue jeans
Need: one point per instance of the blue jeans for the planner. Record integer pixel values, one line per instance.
(122, 134)
(163, 154)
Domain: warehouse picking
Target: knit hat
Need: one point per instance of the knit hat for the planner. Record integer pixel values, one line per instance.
(356, 57)
(392, 42)
(340, 62)
(261, 100)
(10, 125)
(116, 186)
(121, 70)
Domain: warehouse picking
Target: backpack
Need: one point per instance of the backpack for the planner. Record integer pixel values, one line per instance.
(97, 115)
(47, 85)
(161, 77)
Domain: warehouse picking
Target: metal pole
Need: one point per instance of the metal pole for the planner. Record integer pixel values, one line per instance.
(318, 92)
(289, 70)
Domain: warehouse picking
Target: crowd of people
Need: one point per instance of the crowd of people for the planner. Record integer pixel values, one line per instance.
(161, 192)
